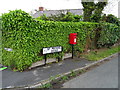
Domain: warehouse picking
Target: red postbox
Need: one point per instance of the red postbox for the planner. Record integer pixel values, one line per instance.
(73, 38)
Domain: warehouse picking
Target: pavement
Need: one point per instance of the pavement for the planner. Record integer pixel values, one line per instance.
(103, 76)
(34, 76)
(12, 79)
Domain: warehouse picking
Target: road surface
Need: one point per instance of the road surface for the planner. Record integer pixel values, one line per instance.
(104, 76)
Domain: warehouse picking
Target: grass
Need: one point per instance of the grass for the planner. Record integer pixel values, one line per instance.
(101, 53)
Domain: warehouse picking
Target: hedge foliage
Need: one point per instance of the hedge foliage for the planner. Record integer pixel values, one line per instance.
(109, 34)
(112, 19)
(26, 37)
(0, 47)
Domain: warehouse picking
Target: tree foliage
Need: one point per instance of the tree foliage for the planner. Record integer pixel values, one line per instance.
(68, 17)
(112, 19)
(92, 11)
(88, 9)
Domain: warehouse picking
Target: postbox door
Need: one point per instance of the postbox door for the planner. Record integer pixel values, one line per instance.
(72, 38)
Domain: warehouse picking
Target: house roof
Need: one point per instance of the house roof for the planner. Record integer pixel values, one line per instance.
(55, 12)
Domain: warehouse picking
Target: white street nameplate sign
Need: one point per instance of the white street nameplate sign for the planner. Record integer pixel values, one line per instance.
(52, 49)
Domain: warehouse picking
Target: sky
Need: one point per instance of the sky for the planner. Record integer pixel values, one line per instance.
(30, 5)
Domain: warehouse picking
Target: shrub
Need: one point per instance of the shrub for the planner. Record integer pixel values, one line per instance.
(109, 34)
(0, 47)
(27, 37)
(0, 23)
(68, 17)
(112, 19)
(58, 17)
(78, 18)
(95, 18)
(43, 17)
(17, 27)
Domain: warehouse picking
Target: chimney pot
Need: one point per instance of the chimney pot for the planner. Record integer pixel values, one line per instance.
(41, 8)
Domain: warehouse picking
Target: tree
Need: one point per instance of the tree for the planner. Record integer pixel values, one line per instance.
(88, 9)
(92, 10)
(98, 11)
(104, 18)
(112, 19)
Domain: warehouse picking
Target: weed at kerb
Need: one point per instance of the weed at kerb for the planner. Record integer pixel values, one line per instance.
(72, 73)
(48, 85)
(65, 78)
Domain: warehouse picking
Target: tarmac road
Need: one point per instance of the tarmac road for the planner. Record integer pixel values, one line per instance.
(104, 76)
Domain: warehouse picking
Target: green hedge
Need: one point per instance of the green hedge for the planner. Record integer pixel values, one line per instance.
(109, 34)
(0, 39)
(26, 37)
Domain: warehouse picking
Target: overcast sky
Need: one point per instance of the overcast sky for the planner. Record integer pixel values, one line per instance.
(30, 5)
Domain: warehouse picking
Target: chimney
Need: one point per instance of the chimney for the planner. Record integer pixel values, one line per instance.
(41, 8)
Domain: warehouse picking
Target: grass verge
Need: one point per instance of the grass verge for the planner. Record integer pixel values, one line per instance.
(101, 53)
